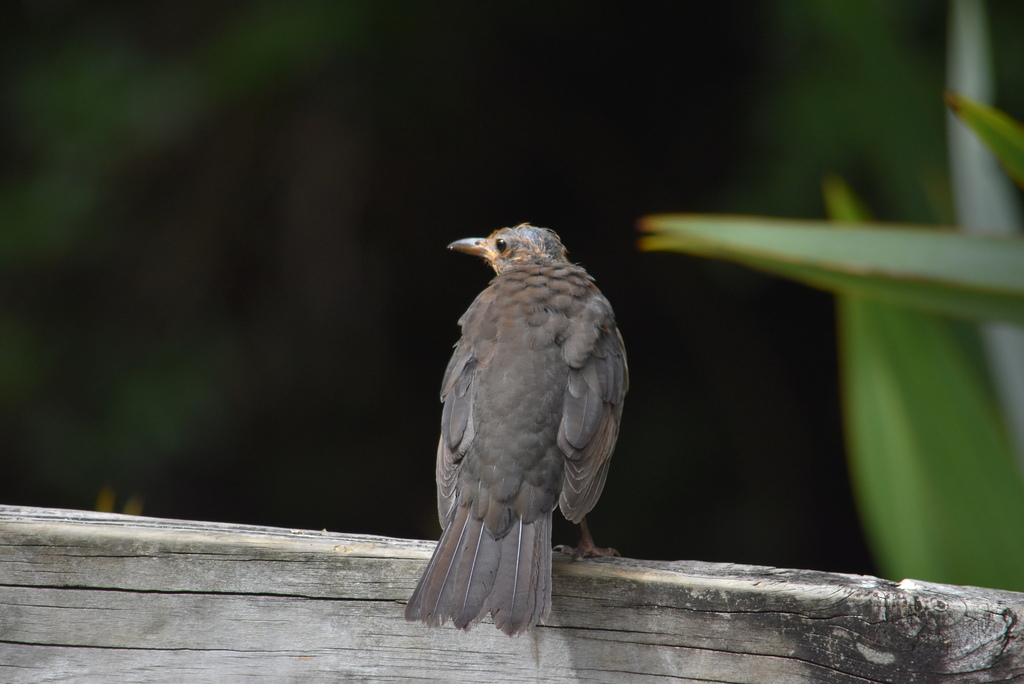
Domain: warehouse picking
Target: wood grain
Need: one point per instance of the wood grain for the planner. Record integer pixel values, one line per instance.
(90, 597)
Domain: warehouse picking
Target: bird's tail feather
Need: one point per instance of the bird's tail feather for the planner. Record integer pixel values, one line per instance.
(522, 588)
(472, 573)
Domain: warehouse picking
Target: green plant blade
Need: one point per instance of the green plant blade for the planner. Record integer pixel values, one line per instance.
(940, 497)
(984, 197)
(940, 271)
(842, 203)
(932, 471)
(1003, 135)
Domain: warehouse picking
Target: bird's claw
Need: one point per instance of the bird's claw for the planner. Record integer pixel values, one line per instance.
(586, 551)
(586, 548)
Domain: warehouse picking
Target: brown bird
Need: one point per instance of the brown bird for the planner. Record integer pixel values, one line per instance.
(532, 401)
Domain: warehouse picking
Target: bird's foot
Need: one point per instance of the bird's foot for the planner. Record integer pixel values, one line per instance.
(586, 548)
(584, 551)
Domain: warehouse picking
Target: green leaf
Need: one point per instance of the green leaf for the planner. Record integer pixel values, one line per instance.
(1003, 135)
(936, 270)
(938, 491)
(842, 203)
(984, 197)
(939, 495)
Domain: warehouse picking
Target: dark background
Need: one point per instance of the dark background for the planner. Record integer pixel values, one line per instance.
(224, 289)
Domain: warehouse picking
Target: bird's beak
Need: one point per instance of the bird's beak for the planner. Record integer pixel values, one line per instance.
(476, 246)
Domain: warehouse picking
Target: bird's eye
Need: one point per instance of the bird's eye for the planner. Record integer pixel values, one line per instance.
(501, 245)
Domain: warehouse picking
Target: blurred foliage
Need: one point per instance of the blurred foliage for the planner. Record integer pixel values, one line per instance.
(1002, 134)
(223, 288)
(985, 198)
(115, 364)
(939, 492)
(852, 89)
(936, 270)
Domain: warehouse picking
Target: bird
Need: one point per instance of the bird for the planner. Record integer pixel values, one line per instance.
(532, 400)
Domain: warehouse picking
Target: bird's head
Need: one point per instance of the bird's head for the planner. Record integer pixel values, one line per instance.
(507, 247)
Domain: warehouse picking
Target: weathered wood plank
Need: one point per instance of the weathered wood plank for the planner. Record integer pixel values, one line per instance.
(89, 597)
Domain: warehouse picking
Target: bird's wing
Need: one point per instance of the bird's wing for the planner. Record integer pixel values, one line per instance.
(590, 419)
(457, 429)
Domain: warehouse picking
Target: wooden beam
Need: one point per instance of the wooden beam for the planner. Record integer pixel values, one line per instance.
(92, 597)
